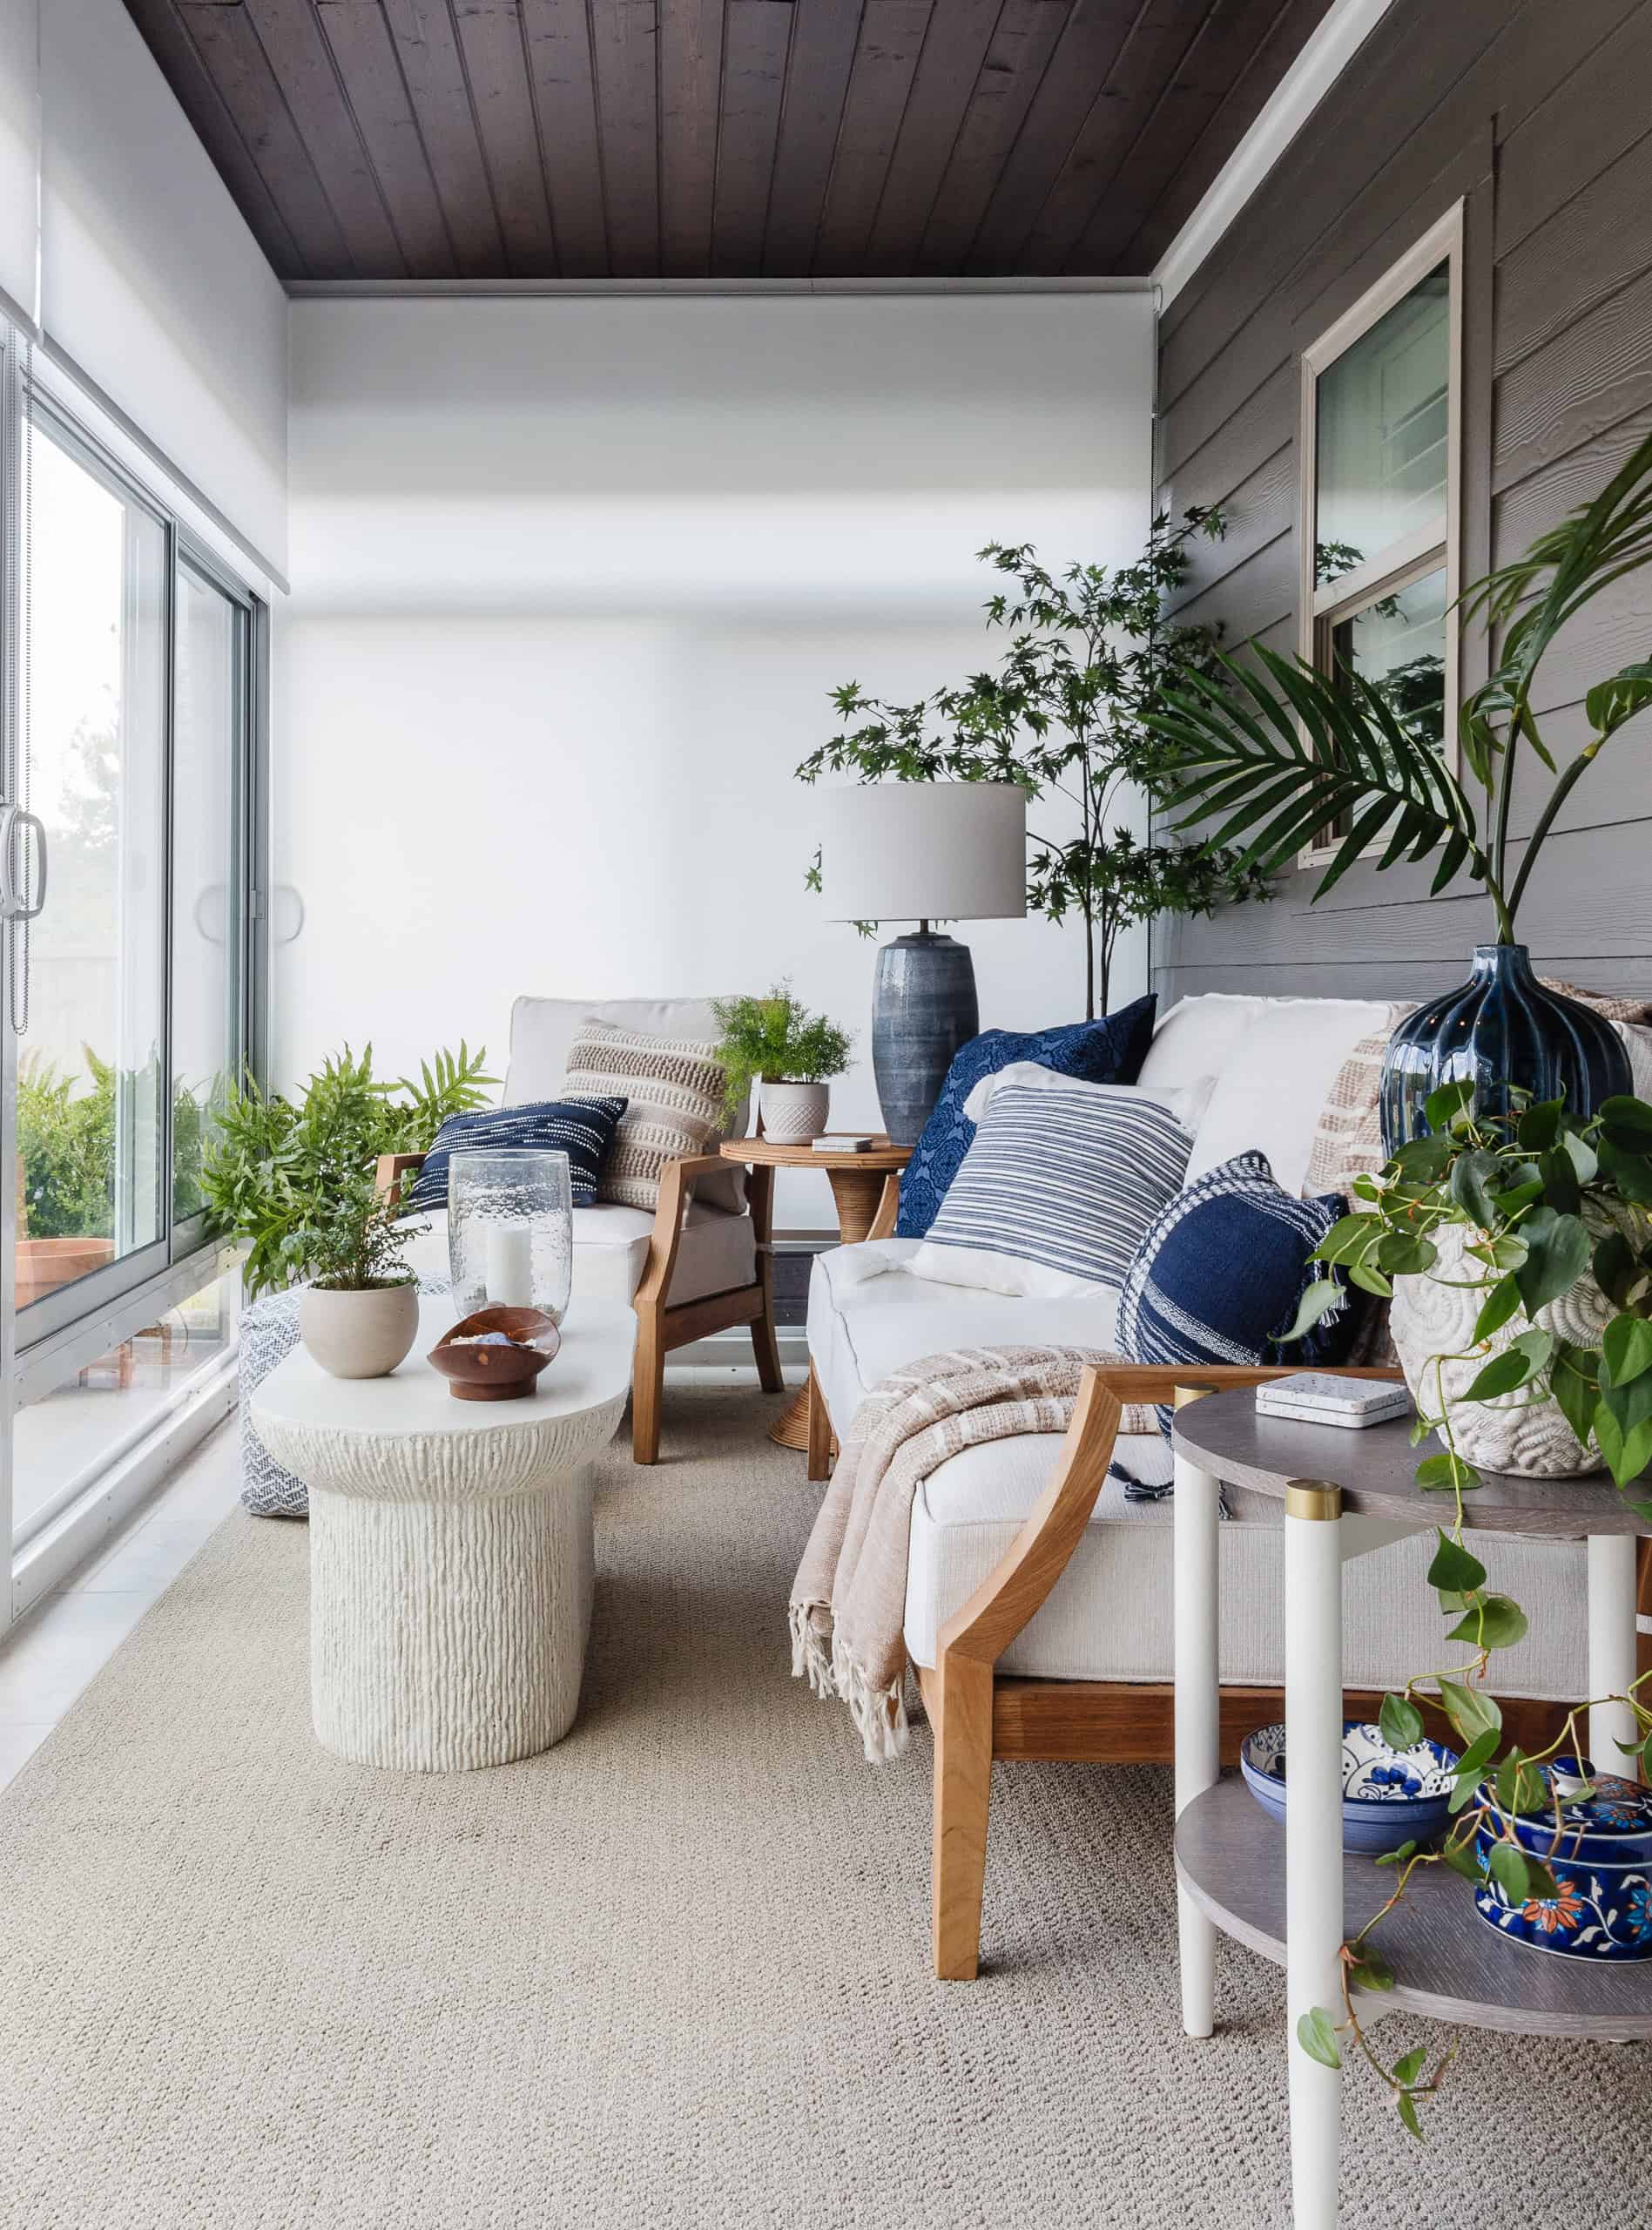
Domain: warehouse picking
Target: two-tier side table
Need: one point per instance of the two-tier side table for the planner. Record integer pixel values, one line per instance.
(866, 1186)
(1289, 1893)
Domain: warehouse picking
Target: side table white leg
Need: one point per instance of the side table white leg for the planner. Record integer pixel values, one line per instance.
(1313, 1831)
(1612, 1649)
(1196, 1515)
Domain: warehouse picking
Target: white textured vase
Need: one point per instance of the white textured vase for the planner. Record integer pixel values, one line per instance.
(359, 1334)
(794, 1114)
(1433, 1315)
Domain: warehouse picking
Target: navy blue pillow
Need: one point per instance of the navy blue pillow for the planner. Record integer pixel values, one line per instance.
(1221, 1272)
(583, 1128)
(1108, 1051)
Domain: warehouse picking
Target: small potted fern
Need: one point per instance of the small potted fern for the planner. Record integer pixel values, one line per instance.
(790, 1054)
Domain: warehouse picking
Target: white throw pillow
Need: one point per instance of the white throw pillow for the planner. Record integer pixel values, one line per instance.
(1187, 1102)
(1060, 1184)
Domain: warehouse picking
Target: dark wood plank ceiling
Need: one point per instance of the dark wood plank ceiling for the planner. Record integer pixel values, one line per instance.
(720, 138)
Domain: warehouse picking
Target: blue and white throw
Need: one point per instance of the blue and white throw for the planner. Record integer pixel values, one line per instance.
(583, 1128)
(1219, 1276)
(1072, 1177)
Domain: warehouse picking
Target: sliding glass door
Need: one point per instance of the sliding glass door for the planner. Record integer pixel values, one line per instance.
(91, 1124)
(129, 989)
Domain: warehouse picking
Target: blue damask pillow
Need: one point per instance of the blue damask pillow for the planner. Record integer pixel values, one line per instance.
(583, 1128)
(1108, 1051)
(1222, 1270)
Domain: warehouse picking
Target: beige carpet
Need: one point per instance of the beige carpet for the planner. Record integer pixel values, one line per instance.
(672, 1973)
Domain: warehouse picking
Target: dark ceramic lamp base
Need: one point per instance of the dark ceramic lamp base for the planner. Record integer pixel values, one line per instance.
(923, 1009)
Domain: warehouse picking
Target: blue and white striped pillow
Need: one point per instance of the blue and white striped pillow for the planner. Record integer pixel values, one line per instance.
(1070, 1179)
(583, 1128)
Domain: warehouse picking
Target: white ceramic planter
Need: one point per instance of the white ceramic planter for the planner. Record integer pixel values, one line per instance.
(1433, 1315)
(794, 1114)
(359, 1334)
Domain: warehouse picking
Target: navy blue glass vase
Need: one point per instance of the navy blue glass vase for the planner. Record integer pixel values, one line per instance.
(1506, 1030)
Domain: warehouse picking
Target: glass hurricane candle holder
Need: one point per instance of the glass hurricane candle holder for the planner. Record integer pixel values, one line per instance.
(510, 1230)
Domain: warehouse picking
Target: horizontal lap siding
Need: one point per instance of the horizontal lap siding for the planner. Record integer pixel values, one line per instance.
(1535, 116)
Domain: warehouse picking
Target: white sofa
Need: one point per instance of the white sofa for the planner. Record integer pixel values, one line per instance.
(1108, 1618)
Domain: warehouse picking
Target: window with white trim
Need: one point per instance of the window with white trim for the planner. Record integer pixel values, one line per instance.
(1380, 441)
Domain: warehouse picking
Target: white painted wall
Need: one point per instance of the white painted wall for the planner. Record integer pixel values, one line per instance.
(571, 580)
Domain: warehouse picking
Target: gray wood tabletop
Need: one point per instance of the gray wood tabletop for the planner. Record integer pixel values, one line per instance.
(1451, 1965)
(1375, 1467)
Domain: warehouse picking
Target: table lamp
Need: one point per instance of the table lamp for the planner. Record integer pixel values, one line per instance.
(923, 852)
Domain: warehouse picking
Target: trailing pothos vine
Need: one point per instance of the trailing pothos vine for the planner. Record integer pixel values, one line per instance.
(1540, 1199)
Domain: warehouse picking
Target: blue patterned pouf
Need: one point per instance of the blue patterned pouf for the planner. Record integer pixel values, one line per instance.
(269, 1334)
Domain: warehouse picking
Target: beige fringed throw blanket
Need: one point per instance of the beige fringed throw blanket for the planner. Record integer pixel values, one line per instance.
(849, 1598)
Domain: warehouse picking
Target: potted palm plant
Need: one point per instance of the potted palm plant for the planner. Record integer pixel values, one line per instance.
(790, 1054)
(1271, 756)
(294, 1179)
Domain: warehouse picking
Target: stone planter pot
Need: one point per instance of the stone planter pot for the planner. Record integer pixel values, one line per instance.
(794, 1114)
(1433, 1315)
(359, 1334)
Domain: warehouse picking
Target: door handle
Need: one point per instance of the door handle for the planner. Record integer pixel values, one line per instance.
(15, 824)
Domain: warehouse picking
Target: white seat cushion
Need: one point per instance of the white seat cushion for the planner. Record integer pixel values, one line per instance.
(1109, 1616)
(862, 1326)
(611, 1252)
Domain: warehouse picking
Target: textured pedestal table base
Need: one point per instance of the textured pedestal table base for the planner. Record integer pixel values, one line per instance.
(450, 1550)
(449, 1635)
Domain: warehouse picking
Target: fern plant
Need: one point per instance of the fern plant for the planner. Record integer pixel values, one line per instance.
(278, 1172)
(776, 1038)
(1264, 757)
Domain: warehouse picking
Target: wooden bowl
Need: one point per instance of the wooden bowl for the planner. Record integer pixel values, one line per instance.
(497, 1374)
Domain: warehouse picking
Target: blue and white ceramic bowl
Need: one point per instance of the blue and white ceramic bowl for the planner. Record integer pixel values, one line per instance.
(1611, 1828)
(1600, 1911)
(1389, 1796)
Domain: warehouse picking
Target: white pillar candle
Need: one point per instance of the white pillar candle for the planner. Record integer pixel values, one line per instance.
(510, 1266)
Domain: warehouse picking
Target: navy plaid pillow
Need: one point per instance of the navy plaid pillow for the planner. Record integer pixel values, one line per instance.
(583, 1128)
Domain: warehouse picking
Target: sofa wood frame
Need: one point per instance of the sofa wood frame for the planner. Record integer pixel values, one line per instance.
(661, 1324)
(978, 1715)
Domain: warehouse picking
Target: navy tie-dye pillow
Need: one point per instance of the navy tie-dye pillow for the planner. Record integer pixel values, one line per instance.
(1108, 1051)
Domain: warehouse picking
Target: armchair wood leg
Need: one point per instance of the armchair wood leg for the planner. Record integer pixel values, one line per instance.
(958, 1696)
(820, 1431)
(648, 1382)
(766, 1350)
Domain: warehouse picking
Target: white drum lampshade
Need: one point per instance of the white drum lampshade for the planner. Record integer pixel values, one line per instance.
(922, 851)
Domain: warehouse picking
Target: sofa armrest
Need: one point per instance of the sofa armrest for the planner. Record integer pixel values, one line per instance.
(1022, 1578)
(389, 1170)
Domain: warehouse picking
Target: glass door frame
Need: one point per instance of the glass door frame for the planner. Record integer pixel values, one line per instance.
(87, 1301)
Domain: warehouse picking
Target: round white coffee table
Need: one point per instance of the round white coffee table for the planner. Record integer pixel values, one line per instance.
(450, 1545)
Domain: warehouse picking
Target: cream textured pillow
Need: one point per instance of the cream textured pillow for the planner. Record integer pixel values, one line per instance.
(673, 1088)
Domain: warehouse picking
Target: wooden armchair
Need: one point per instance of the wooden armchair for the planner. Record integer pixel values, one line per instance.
(978, 1715)
(663, 1324)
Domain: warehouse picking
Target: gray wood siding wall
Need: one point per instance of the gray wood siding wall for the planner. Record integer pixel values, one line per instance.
(1536, 116)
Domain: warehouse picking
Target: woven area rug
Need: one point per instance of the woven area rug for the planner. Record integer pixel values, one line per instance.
(672, 1973)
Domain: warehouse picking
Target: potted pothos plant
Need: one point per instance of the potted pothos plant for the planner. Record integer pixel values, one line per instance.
(792, 1056)
(1516, 1251)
